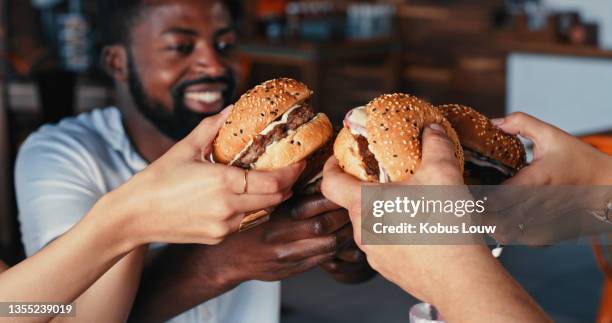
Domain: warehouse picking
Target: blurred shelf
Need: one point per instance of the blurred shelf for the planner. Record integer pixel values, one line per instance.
(297, 50)
(555, 49)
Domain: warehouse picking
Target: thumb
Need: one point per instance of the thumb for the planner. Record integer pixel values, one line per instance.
(437, 146)
(205, 133)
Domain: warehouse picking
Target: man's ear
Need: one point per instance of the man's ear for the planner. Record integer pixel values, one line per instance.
(115, 61)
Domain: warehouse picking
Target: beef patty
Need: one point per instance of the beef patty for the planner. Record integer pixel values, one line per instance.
(369, 161)
(295, 119)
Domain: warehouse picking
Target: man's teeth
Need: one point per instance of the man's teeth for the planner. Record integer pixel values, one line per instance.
(206, 97)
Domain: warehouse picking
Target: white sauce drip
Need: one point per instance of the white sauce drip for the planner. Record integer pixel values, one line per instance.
(315, 178)
(356, 120)
(266, 130)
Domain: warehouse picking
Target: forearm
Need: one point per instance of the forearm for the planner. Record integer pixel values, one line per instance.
(480, 289)
(168, 286)
(68, 266)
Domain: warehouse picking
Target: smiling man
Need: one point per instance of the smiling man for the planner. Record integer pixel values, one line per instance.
(173, 63)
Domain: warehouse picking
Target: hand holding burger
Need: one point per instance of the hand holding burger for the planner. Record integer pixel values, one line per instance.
(270, 127)
(183, 199)
(439, 275)
(382, 141)
(554, 151)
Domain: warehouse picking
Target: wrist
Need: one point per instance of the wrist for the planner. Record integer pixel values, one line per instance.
(111, 215)
(219, 272)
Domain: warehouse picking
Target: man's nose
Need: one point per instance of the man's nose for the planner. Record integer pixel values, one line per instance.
(208, 62)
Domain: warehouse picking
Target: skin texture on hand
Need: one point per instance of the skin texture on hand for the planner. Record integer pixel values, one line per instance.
(555, 153)
(456, 279)
(553, 214)
(350, 266)
(183, 276)
(282, 247)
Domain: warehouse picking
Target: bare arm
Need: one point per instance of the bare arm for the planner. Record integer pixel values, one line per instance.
(69, 265)
(98, 261)
(471, 285)
(174, 281)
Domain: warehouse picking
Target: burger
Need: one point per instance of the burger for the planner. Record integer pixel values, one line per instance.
(271, 126)
(491, 155)
(381, 142)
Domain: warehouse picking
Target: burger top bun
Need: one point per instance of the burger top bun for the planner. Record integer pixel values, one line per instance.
(254, 111)
(395, 124)
(480, 135)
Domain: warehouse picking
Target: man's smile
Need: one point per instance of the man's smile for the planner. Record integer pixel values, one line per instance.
(205, 98)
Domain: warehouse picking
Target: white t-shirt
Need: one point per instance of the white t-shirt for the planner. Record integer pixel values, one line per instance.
(63, 169)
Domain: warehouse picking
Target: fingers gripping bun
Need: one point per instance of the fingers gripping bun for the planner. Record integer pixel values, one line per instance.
(395, 125)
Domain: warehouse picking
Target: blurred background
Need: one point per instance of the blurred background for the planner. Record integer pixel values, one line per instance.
(550, 58)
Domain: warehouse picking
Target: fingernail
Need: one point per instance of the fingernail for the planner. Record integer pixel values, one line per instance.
(498, 121)
(437, 127)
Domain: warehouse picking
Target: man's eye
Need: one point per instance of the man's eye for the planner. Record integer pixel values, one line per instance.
(183, 49)
(225, 47)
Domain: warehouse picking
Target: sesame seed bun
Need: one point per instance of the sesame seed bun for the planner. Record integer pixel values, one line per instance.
(254, 111)
(394, 125)
(478, 134)
(346, 151)
(261, 111)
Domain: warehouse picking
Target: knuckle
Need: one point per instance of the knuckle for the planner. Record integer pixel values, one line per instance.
(273, 184)
(214, 241)
(334, 244)
(277, 198)
(224, 208)
(447, 168)
(439, 140)
(517, 117)
(318, 227)
(281, 256)
(326, 186)
(219, 231)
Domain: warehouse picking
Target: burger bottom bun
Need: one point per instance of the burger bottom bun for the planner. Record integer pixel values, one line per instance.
(346, 150)
(298, 145)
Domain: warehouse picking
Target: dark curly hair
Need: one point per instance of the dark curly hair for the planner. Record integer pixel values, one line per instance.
(116, 18)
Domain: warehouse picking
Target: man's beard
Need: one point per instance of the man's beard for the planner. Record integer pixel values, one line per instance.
(177, 122)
